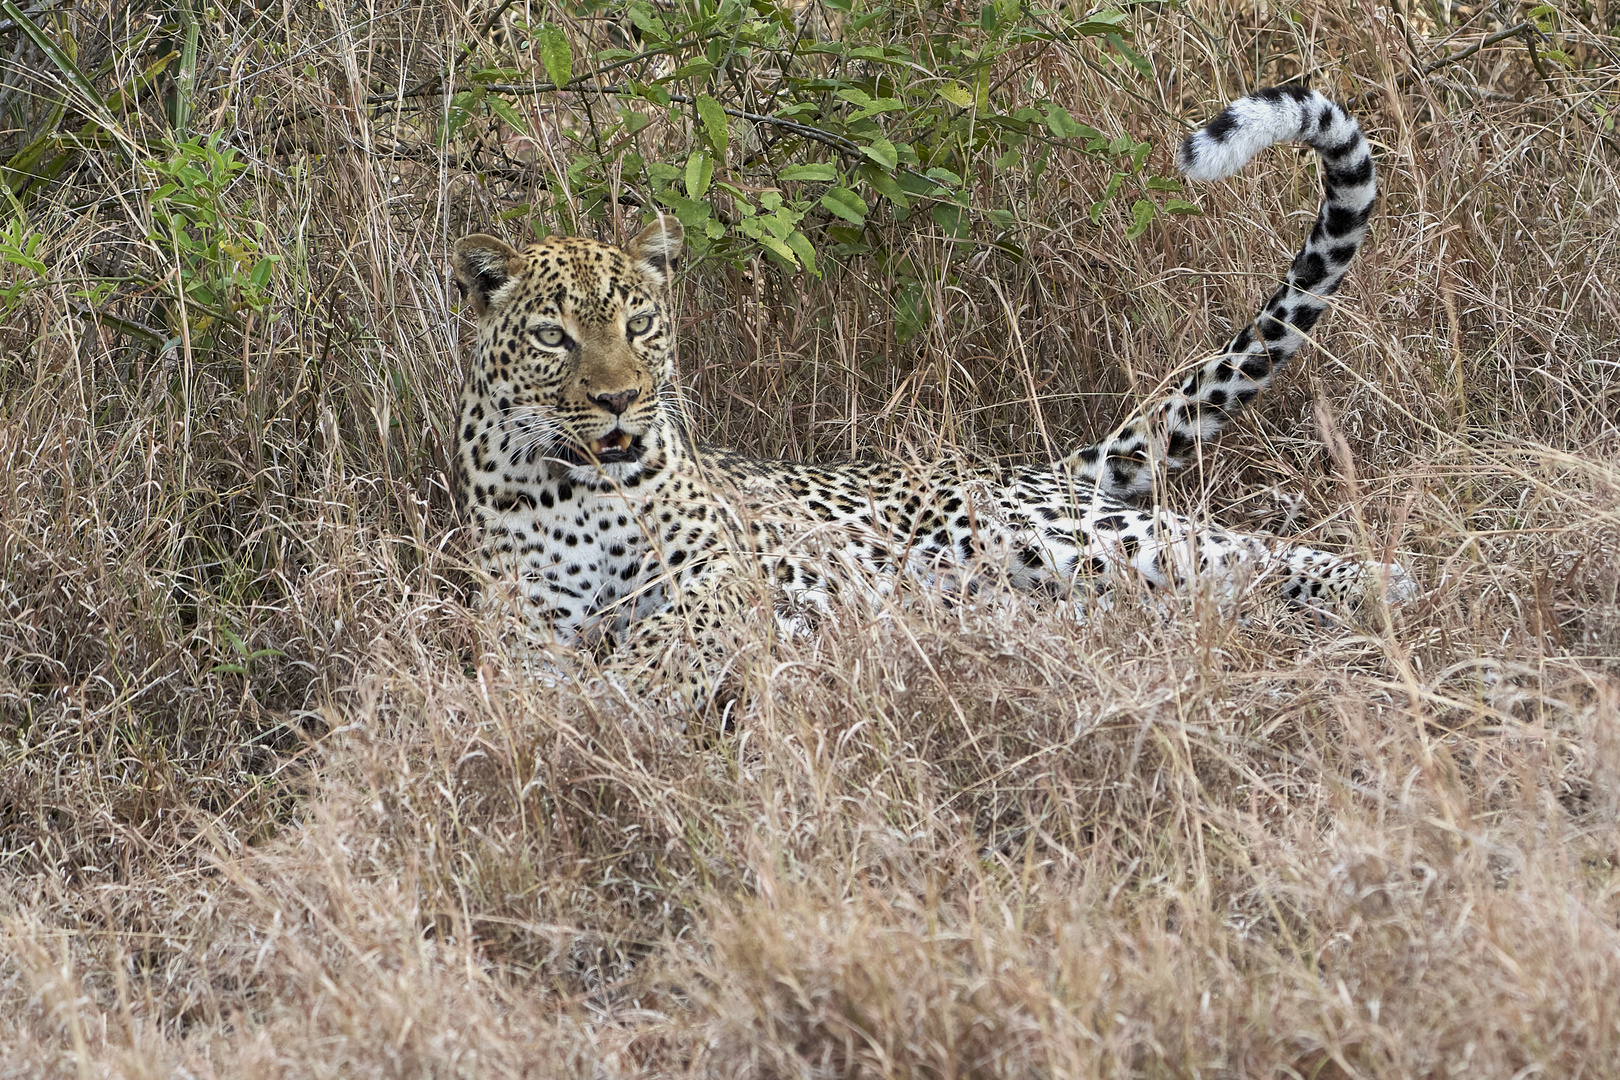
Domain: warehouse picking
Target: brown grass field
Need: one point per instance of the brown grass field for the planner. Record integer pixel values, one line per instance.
(276, 801)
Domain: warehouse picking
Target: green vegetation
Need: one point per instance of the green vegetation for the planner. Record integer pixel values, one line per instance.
(276, 800)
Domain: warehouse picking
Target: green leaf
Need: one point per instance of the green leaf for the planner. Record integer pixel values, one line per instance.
(820, 172)
(633, 121)
(776, 247)
(556, 55)
(262, 271)
(699, 171)
(1096, 210)
(886, 185)
(495, 74)
(651, 26)
(1099, 23)
(714, 123)
(1162, 183)
(689, 212)
(503, 109)
(1064, 126)
(17, 258)
(663, 174)
(844, 203)
(957, 94)
(875, 106)
(882, 151)
(950, 219)
(695, 69)
(804, 250)
(1141, 216)
(1134, 58)
(1179, 206)
(909, 184)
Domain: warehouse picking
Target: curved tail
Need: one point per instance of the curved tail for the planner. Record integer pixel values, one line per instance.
(1167, 431)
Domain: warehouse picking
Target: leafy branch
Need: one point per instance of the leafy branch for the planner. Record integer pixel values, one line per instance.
(891, 128)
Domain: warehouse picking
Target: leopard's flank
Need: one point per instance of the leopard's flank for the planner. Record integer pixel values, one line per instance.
(600, 517)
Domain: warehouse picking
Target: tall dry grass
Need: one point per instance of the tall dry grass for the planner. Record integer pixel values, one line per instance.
(275, 803)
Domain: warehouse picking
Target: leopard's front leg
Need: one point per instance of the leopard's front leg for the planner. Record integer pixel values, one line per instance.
(691, 643)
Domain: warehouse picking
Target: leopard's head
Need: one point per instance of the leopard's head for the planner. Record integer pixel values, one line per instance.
(575, 352)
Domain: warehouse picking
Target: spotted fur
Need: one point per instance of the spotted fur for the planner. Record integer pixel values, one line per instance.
(599, 517)
(1124, 463)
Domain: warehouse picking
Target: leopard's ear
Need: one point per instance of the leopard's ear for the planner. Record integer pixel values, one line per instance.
(482, 265)
(656, 249)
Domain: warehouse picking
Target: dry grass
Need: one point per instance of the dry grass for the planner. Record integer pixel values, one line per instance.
(948, 842)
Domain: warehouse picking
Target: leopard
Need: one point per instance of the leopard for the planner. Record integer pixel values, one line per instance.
(602, 521)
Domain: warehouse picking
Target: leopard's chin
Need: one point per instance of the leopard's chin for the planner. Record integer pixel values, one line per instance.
(617, 447)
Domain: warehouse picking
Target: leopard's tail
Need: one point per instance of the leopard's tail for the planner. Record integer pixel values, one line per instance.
(1167, 431)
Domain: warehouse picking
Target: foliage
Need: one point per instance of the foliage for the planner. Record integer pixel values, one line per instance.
(19, 252)
(214, 246)
(205, 246)
(796, 144)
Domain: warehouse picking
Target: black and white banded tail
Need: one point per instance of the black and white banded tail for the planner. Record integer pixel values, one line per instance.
(1166, 432)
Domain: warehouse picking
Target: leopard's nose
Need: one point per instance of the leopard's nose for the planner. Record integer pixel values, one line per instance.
(616, 403)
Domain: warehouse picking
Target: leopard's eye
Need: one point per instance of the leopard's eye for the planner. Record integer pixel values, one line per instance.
(640, 324)
(552, 336)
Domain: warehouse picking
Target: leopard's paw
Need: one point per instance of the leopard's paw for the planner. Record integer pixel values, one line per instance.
(1390, 580)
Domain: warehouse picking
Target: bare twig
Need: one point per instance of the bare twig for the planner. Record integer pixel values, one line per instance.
(1484, 43)
(1408, 79)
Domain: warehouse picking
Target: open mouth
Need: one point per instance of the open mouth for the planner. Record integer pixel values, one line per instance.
(611, 449)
